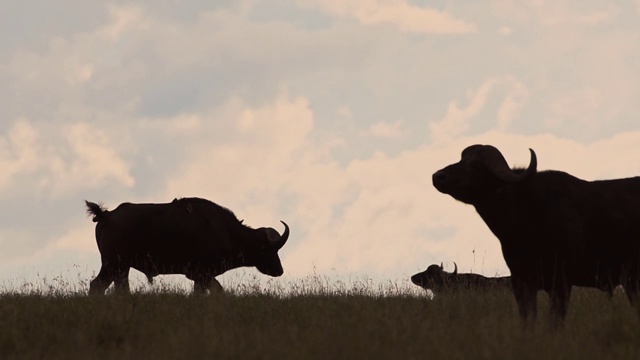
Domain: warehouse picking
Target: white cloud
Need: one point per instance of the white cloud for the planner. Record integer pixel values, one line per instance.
(376, 215)
(515, 99)
(122, 19)
(386, 130)
(79, 238)
(152, 104)
(506, 30)
(596, 17)
(19, 152)
(13, 241)
(95, 160)
(56, 161)
(266, 142)
(556, 14)
(405, 17)
(572, 106)
(456, 120)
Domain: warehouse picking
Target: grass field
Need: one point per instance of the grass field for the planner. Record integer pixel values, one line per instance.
(309, 320)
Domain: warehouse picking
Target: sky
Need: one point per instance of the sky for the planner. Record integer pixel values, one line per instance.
(331, 115)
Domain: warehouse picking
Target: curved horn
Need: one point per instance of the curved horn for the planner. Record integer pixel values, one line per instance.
(441, 267)
(280, 241)
(455, 268)
(495, 162)
(533, 165)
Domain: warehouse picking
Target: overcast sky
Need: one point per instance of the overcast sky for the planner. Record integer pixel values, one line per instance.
(331, 115)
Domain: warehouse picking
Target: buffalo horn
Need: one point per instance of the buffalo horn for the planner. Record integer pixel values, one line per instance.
(278, 242)
(455, 268)
(496, 163)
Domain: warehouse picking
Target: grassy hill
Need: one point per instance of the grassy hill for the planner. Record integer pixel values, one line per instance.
(309, 323)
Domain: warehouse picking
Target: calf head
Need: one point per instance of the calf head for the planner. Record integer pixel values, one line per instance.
(434, 277)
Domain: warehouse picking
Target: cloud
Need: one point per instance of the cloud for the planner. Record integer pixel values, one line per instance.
(262, 143)
(596, 17)
(405, 17)
(94, 160)
(515, 99)
(19, 153)
(78, 238)
(506, 30)
(375, 215)
(458, 119)
(292, 112)
(386, 130)
(56, 161)
(556, 14)
(123, 19)
(14, 241)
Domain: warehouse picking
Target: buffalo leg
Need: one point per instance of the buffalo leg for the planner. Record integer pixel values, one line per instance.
(203, 283)
(632, 290)
(526, 297)
(122, 281)
(559, 298)
(215, 286)
(101, 282)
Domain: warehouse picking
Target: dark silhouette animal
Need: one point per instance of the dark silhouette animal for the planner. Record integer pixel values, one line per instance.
(555, 230)
(189, 236)
(436, 279)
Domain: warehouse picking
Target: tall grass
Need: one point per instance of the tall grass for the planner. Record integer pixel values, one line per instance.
(313, 318)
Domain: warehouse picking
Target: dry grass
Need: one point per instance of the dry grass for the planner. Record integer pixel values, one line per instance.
(313, 318)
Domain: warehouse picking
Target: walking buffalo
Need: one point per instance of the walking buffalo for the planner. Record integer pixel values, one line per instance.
(555, 229)
(189, 236)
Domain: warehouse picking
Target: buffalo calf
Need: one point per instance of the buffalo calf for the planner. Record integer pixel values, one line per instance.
(436, 279)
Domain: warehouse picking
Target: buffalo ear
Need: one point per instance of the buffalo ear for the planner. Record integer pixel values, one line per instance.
(493, 161)
(276, 240)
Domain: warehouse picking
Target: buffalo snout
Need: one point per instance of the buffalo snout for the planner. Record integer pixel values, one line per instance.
(439, 177)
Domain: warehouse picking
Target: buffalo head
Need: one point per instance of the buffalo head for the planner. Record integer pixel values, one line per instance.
(434, 277)
(481, 170)
(263, 253)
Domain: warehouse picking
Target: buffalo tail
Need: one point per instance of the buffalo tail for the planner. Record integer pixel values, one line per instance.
(96, 210)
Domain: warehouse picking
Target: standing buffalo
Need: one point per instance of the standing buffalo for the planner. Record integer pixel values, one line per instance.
(555, 230)
(436, 279)
(189, 236)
